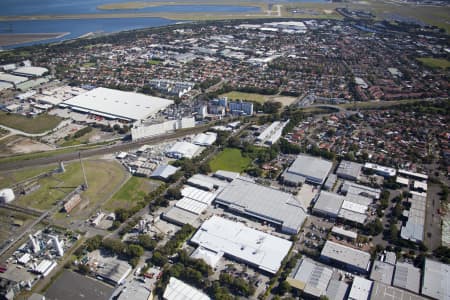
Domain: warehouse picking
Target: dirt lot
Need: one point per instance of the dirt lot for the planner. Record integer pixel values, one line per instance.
(284, 100)
(21, 145)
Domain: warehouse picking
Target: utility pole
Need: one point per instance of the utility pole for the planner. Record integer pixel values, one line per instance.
(85, 186)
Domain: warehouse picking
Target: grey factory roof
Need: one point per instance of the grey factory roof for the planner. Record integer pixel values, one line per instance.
(207, 182)
(381, 291)
(312, 276)
(178, 290)
(31, 71)
(436, 280)
(135, 290)
(329, 203)
(313, 168)
(350, 187)
(337, 290)
(164, 171)
(346, 255)
(407, 276)
(330, 182)
(112, 269)
(227, 175)
(118, 104)
(12, 78)
(264, 203)
(180, 217)
(382, 272)
(414, 228)
(349, 169)
(73, 286)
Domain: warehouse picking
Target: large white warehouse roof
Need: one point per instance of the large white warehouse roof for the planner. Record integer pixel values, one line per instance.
(236, 240)
(118, 104)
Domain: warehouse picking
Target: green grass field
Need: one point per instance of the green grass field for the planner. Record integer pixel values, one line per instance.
(435, 62)
(38, 124)
(131, 192)
(11, 177)
(103, 177)
(245, 96)
(230, 159)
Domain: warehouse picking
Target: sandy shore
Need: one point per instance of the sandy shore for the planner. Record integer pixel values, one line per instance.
(8, 39)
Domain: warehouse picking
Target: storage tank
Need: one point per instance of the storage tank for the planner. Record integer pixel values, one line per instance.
(6, 195)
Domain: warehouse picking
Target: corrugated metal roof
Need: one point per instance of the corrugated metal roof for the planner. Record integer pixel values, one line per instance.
(178, 290)
(264, 203)
(313, 168)
(407, 276)
(436, 281)
(247, 244)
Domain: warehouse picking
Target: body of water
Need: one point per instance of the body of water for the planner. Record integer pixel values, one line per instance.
(80, 27)
(77, 27)
(63, 7)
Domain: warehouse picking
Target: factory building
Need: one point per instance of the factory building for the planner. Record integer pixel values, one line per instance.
(414, 227)
(436, 280)
(163, 172)
(349, 170)
(205, 139)
(307, 168)
(361, 289)
(264, 203)
(177, 290)
(407, 277)
(311, 278)
(117, 105)
(237, 241)
(272, 134)
(140, 131)
(381, 170)
(349, 258)
(184, 150)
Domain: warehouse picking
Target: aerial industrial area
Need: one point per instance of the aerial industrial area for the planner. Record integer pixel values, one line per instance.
(235, 159)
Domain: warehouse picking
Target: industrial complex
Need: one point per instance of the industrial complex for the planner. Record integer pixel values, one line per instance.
(114, 104)
(235, 240)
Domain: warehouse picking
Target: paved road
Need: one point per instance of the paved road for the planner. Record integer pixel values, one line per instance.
(121, 146)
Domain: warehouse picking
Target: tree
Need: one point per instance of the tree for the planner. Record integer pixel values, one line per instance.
(114, 245)
(284, 287)
(93, 243)
(134, 250)
(158, 259)
(146, 242)
(173, 194)
(122, 214)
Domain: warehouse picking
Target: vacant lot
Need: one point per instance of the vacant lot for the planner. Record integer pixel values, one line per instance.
(230, 160)
(38, 124)
(435, 62)
(131, 192)
(11, 223)
(103, 177)
(9, 178)
(245, 96)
